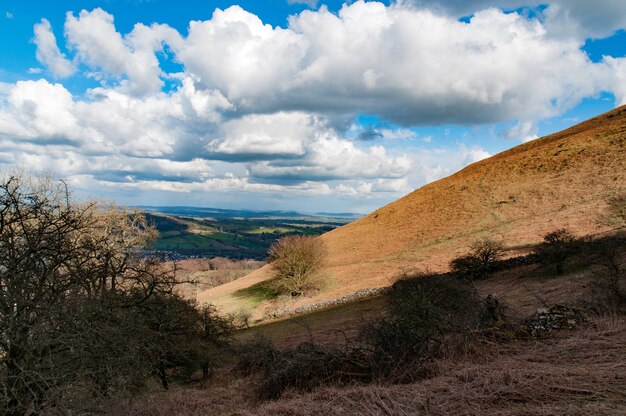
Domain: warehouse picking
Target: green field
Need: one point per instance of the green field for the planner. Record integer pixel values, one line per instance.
(235, 238)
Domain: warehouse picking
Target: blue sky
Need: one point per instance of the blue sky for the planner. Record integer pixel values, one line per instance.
(276, 104)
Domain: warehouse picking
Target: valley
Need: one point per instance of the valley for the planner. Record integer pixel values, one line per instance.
(186, 232)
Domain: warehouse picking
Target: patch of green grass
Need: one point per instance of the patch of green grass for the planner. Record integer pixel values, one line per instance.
(270, 230)
(258, 293)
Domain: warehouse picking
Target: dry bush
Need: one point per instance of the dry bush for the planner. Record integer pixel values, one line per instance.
(608, 287)
(557, 247)
(294, 260)
(195, 275)
(423, 309)
(222, 263)
(577, 373)
(303, 368)
(480, 260)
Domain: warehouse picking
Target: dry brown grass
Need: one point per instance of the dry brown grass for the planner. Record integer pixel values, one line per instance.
(202, 274)
(517, 196)
(579, 372)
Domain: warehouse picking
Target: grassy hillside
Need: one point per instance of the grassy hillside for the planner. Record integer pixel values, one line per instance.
(561, 180)
(576, 369)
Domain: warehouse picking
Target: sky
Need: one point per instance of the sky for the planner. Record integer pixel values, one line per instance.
(301, 105)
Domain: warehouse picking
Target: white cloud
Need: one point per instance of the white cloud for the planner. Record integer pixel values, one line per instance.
(400, 63)
(242, 57)
(397, 62)
(8, 15)
(520, 130)
(617, 76)
(267, 110)
(265, 136)
(124, 134)
(435, 163)
(130, 58)
(529, 138)
(38, 111)
(48, 53)
(296, 147)
(331, 158)
(110, 121)
(580, 18)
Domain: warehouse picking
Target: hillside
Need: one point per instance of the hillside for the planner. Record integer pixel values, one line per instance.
(561, 180)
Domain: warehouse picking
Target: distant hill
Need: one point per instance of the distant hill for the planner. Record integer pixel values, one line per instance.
(519, 195)
(208, 232)
(219, 213)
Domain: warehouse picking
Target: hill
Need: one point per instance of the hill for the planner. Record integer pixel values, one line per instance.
(519, 195)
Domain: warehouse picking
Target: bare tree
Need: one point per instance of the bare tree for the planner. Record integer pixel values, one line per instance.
(294, 260)
(556, 248)
(480, 260)
(81, 311)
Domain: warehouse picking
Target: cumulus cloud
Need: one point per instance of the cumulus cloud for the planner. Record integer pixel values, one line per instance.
(265, 109)
(331, 158)
(298, 147)
(617, 74)
(521, 130)
(580, 18)
(48, 52)
(401, 63)
(121, 133)
(131, 58)
(266, 136)
(433, 164)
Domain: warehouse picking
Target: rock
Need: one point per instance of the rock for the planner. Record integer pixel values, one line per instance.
(555, 318)
(361, 294)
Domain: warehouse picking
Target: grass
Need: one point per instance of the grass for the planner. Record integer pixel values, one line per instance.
(270, 230)
(515, 379)
(257, 293)
(184, 241)
(334, 324)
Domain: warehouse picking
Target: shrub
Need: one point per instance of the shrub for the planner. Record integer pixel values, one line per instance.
(294, 260)
(608, 289)
(556, 248)
(305, 367)
(422, 310)
(480, 261)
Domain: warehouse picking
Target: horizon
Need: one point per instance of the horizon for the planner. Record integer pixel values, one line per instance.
(291, 105)
(306, 213)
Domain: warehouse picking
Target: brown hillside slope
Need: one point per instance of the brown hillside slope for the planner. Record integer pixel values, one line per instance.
(561, 180)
